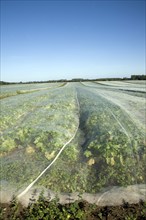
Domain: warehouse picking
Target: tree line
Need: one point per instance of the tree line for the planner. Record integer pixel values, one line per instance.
(133, 77)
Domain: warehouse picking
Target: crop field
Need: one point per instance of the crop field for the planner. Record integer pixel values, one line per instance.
(73, 137)
(15, 89)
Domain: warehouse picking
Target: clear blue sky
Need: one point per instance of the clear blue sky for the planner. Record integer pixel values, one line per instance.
(45, 40)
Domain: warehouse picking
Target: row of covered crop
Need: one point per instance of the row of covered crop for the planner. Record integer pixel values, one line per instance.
(114, 147)
(29, 144)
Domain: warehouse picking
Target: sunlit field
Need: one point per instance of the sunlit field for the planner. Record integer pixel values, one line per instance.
(73, 137)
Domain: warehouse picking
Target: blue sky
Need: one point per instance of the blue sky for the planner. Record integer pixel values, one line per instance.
(45, 40)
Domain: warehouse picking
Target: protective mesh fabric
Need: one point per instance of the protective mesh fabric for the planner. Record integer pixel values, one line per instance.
(104, 146)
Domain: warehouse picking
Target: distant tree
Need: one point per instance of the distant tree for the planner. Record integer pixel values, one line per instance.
(138, 77)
